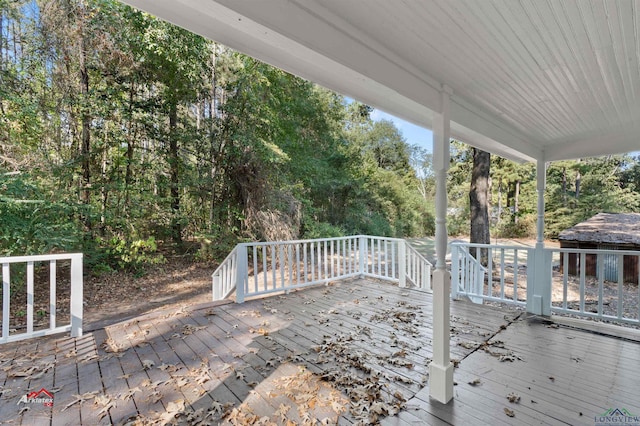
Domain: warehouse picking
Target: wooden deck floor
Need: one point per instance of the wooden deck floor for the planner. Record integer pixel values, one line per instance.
(353, 352)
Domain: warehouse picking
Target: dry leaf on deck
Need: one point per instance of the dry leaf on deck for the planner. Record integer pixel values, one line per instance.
(129, 393)
(513, 397)
(80, 399)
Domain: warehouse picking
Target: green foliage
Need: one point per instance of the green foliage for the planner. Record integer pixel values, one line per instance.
(314, 229)
(32, 224)
(132, 255)
(591, 186)
(575, 191)
(214, 247)
(525, 227)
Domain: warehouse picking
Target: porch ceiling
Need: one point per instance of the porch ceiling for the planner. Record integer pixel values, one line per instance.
(543, 79)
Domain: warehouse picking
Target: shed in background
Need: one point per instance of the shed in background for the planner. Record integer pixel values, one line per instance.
(604, 231)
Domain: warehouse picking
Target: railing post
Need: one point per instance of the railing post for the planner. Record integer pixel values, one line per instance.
(478, 283)
(215, 282)
(533, 304)
(455, 271)
(76, 296)
(242, 270)
(547, 278)
(6, 299)
(363, 251)
(402, 263)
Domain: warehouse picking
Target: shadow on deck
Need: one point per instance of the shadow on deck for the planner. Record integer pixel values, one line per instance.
(354, 352)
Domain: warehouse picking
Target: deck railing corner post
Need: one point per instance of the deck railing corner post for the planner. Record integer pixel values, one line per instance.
(242, 272)
(215, 282)
(76, 295)
(362, 251)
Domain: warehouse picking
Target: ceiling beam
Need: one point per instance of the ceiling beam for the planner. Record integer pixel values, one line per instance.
(625, 140)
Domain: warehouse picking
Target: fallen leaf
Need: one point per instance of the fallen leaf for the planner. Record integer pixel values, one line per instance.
(154, 397)
(129, 393)
(513, 397)
(475, 382)
(79, 399)
(509, 413)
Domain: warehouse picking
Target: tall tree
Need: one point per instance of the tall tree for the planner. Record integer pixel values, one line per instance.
(479, 198)
(177, 61)
(422, 161)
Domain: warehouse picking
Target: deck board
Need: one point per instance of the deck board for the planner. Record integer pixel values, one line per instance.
(261, 359)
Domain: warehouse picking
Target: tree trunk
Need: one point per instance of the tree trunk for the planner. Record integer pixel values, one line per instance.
(500, 199)
(104, 193)
(85, 135)
(213, 107)
(516, 198)
(479, 199)
(564, 187)
(176, 227)
(578, 178)
(128, 174)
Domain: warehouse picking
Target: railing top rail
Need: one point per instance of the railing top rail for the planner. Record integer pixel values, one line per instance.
(493, 246)
(463, 244)
(226, 259)
(593, 251)
(350, 237)
(371, 237)
(418, 254)
(41, 258)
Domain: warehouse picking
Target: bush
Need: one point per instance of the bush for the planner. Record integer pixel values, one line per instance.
(31, 224)
(314, 230)
(132, 255)
(525, 228)
(215, 247)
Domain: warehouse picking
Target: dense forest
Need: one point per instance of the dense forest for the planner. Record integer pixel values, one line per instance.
(120, 133)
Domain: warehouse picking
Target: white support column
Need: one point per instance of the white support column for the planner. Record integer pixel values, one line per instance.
(539, 297)
(441, 369)
(541, 183)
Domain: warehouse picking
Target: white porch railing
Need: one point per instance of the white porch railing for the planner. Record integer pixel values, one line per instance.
(501, 280)
(254, 269)
(75, 303)
(596, 283)
(418, 268)
(581, 282)
(224, 278)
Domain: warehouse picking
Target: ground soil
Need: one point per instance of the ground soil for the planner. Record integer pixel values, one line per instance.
(115, 296)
